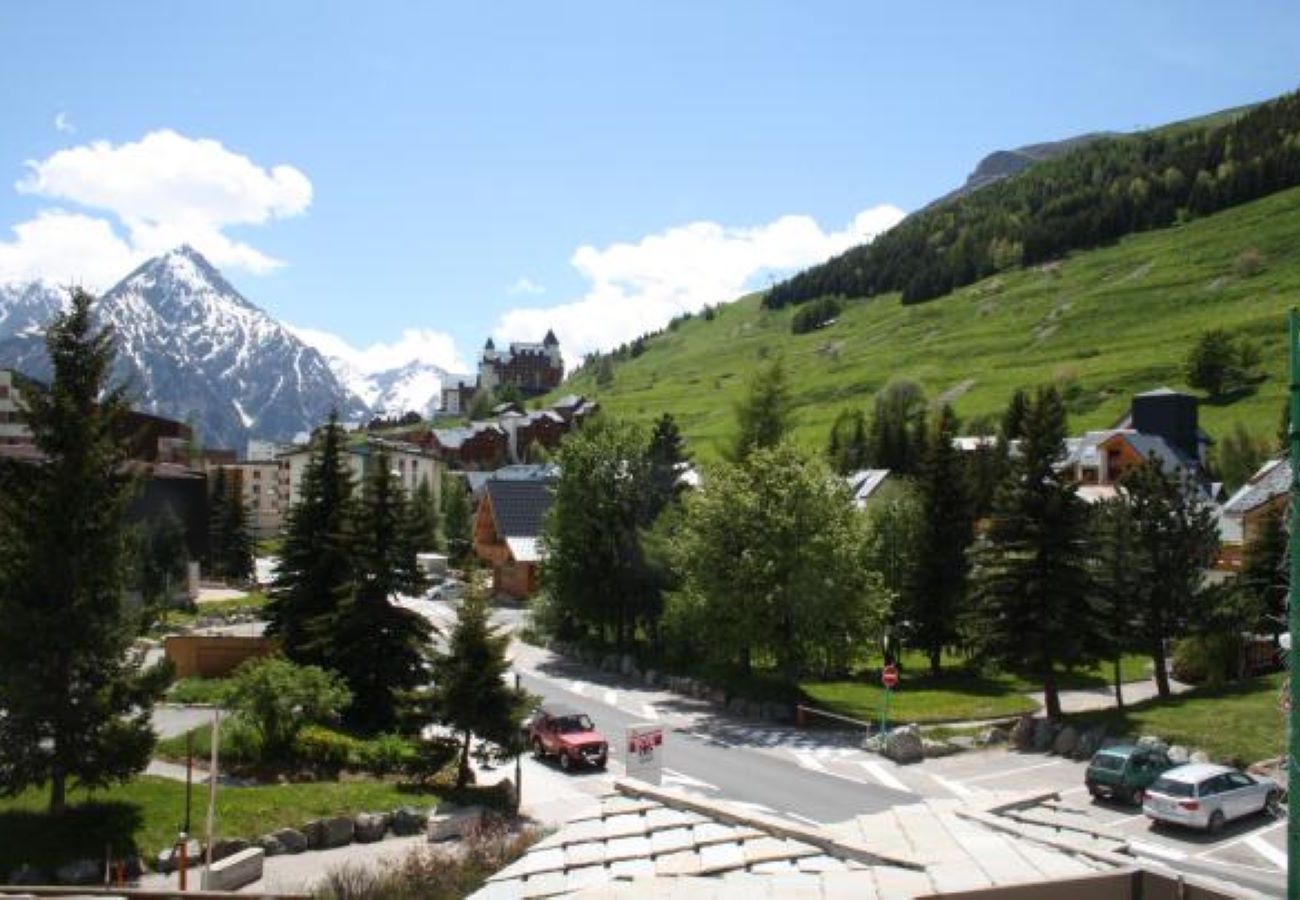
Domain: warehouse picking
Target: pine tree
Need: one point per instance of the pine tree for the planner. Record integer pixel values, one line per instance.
(315, 569)
(425, 521)
(1035, 605)
(1120, 576)
(765, 414)
(230, 546)
(1177, 539)
(936, 590)
(1264, 573)
(668, 458)
(76, 701)
(470, 690)
(380, 649)
(457, 517)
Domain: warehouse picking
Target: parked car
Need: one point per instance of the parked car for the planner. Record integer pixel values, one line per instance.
(1125, 772)
(451, 589)
(1202, 795)
(569, 735)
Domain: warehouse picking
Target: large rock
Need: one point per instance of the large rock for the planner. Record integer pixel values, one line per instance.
(990, 737)
(1044, 734)
(904, 745)
(1023, 734)
(81, 871)
(407, 821)
(334, 831)
(1151, 742)
(1178, 754)
(223, 847)
(1065, 741)
(453, 822)
(293, 840)
(235, 871)
(270, 845)
(1199, 756)
(1089, 742)
(369, 827)
(168, 860)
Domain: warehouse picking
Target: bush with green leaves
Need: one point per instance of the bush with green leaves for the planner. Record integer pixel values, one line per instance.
(324, 751)
(277, 699)
(386, 754)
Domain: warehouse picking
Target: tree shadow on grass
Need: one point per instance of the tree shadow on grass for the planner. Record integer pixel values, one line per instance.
(85, 831)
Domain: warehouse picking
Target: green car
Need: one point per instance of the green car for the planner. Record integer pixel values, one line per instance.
(1125, 772)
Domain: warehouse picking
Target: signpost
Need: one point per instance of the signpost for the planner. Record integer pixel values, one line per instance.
(888, 678)
(645, 750)
(1293, 623)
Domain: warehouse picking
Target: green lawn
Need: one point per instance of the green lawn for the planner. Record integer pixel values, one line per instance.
(252, 602)
(1103, 324)
(198, 690)
(1241, 720)
(144, 815)
(957, 694)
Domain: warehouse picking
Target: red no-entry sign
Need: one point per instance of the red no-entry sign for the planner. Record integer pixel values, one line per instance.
(889, 676)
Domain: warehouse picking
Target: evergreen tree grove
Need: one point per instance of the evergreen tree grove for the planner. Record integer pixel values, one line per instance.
(1035, 608)
(379, 648)
(936, 590)
(765, 415)
(76, 701)
(315, 569)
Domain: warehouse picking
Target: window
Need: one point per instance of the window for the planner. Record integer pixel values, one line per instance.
(257, 474)
(4, 392)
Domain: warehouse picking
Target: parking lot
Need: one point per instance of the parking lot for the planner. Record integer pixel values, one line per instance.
(1256, 844)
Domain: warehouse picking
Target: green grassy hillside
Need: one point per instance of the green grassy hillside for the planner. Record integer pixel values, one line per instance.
(1102, 324)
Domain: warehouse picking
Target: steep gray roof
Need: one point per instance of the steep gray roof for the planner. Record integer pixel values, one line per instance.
(519, 507)
(1273, 478)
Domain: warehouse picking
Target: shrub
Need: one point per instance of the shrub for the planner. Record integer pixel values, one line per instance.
(323, 750)
(277, 698)
(815, 314)
(1212, 659)
(1249, 263)
(386, 754)
(430, 757)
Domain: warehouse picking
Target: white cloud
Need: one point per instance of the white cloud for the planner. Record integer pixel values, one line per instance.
(638, 287)
(63, 124)
(153, 194)
(415, 344)
(525, 285)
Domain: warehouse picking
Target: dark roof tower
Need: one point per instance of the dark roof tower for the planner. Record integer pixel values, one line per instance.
(489, 345)
(550, 340)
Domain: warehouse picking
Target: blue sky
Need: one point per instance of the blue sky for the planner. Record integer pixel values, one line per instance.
(451, 171)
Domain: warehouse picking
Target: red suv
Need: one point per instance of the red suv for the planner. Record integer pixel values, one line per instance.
(568, 735)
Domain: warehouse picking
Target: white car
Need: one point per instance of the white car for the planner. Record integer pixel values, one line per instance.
(450, 589)
(1202, 795)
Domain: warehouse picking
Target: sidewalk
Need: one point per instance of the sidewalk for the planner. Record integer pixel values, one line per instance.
(1089, 699)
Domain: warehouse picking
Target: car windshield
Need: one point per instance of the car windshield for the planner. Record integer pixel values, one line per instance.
(1108, 761)
(1172, 788)
(573, 724)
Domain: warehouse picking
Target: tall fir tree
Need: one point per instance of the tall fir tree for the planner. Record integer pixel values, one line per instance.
(470, 690)
(1176, 538)
(76, 699)
(1264, 572)
(1035, 606)
(896, 437)
(230, 545)
(668, 459)
(425, 520)
(1120, 576)
(765, 415)
(457, 516)
(315, 568)
(379, 648)
(936, 589)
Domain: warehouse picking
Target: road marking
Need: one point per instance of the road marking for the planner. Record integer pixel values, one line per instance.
(577, 687)
(955, 787)
(1259, 832)
(1123, 820)
(808, 761)
(1073, 790)
(1008, 772)
(881, 774)
(611, 698)
(648, 710)
(1143, 848)
(687, 781)
(807, 821)
(706, 737)
(1267, 850)
(752, 807)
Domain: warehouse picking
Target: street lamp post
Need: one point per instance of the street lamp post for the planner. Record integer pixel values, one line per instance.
(519, 767)
(1293, 625)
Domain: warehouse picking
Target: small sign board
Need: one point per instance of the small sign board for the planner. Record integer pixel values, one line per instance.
(889, 677)
(645, 750)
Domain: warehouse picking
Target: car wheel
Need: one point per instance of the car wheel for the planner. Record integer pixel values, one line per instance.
(565, 762)
(1137, 796)
(1273, 803)
(1216, 822)
(602, 762)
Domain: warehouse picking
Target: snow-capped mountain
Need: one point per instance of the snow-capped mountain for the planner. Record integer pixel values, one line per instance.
(192, 348)
(413, 387)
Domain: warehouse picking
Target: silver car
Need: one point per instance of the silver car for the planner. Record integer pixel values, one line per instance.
(1202, 795)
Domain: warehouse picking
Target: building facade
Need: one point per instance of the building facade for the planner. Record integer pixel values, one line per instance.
(258, 485)
(410, 464)
(12, 428)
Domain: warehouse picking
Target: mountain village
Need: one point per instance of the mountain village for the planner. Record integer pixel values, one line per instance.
(955, 562)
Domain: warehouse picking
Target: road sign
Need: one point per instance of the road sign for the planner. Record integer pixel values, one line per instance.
(889, 676)
(645, 750)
